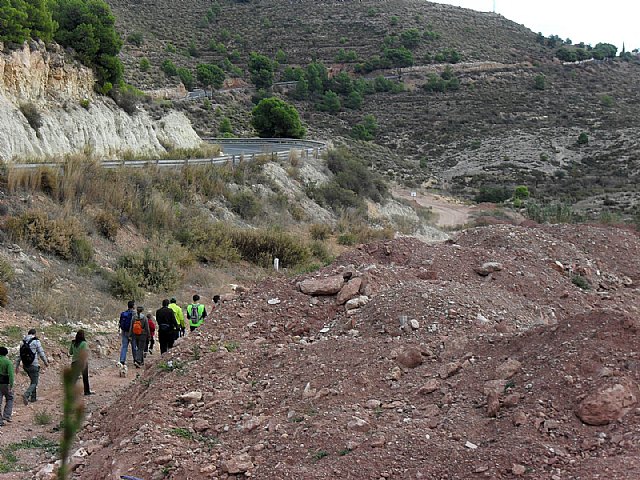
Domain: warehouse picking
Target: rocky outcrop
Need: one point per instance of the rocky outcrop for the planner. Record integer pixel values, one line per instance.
(72, 118)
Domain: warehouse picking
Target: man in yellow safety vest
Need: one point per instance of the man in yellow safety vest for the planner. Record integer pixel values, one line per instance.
(173, 305)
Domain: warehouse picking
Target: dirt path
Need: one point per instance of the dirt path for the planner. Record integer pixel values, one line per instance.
(104, 381)
(449, 213)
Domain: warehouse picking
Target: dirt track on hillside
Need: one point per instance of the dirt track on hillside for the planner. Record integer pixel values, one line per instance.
(449, 213)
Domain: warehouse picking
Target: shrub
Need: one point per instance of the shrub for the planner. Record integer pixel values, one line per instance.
(107, 224)
(583, 139)
(245, 204)
(351, 173)
(261, 70)
(581, 282)
(145, 64)
(347, 239)
(330, 103)
(365, 130)
(127, 97)
(320, 231)
(6, 270)
(209, 242)
(154, 268)
(521, 192)
(63, 237)
(492, 195)
(136, 39)
(169, 68)
(539, 82)
(32, 114)
(42, 417)
(123, 284)
(186, 77)
(262, 246)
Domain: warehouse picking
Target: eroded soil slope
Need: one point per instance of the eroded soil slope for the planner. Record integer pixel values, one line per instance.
(504, 368)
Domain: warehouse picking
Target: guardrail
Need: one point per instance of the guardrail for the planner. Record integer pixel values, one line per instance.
(306, 148)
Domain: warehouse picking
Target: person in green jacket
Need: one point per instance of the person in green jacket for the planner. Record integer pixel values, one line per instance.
(80, 359)
(7, 378)
(173, 305)
(196, 313)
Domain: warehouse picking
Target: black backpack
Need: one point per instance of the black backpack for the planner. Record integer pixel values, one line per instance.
(27, 356)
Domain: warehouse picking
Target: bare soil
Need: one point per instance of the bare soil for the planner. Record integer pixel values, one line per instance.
(280, 384)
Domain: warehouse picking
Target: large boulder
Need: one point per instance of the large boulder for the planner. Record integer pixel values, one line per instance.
(349, 290)
(322, 286)
(607, 405)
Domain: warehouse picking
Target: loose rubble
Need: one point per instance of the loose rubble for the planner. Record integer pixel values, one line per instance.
(509, 370)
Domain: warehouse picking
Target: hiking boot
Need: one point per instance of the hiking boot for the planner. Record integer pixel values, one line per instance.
(89, 393)
(25, 400)
(7, 420)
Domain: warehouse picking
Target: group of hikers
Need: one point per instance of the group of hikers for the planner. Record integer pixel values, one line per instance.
(136, 329)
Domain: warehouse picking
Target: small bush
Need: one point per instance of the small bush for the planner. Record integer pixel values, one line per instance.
(154, 268)
(42, 417)
(581, 282)
(583, 139)
(320, 231)
(32, 114)
(6, 270)
(262, 246)
(63, 237)
(123, 284)
(245, 204)
(145, 64)
(136, 39)
(347, 239)
(85, 103)
(107, 224)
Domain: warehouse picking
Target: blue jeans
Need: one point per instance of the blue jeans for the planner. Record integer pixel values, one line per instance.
(124, 337)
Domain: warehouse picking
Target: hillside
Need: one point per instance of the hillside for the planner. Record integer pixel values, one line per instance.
(499, 371)
(498, 129)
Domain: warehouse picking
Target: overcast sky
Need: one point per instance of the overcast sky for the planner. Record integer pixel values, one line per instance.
(588, 21)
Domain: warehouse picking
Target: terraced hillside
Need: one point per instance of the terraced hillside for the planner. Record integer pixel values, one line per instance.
(498, 129)
(306, 30)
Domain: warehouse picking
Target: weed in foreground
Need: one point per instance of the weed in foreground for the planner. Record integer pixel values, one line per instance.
(42, 417)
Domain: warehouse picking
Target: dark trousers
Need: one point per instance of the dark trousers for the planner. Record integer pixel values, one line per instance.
(85, 378)
(166, 340)
(34, 375)
(141, 343)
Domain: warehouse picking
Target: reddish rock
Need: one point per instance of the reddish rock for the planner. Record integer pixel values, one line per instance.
(488, 268)
(607, 405)
(410, 358)
(519, 418)
(322, 286)
(429, 387)
(508, 369)
(349, 290)
(449, 369)
(238, 464)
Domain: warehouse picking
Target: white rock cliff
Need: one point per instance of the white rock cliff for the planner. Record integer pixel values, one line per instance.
(55, 85)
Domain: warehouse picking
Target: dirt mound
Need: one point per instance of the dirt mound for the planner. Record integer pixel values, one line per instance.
(467, 359)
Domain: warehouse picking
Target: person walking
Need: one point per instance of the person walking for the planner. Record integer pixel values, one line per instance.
(167, 326)
(152, 333)
(196, 313)
(7, 378)
(79, 352)
(173, 305)
(126, 320)
(30, 350)
(140, 333)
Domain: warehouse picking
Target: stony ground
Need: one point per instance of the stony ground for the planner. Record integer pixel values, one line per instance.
(478, 357)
